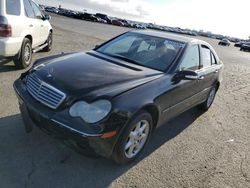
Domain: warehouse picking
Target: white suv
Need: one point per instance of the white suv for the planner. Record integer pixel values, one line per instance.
(24, 29)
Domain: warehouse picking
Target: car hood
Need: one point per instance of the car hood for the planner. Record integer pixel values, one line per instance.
(92, 75)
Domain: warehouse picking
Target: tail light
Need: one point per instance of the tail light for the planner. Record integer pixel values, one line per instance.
(5, 28)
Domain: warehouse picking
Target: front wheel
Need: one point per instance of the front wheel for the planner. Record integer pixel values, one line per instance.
(49, 42)
(133, 139)
(210, 99)
(24, 57)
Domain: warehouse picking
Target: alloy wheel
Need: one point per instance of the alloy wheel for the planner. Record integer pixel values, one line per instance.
(211, 97)
(137, 139)
(27, 54)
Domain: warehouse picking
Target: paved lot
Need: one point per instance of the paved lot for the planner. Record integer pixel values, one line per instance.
(193, 150)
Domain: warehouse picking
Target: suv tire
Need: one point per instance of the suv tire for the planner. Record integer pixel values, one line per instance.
(49, 43)
(23, 59)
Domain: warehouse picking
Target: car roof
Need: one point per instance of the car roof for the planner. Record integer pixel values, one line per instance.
(166, 35)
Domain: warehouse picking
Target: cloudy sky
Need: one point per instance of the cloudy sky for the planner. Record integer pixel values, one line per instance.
(228, 17)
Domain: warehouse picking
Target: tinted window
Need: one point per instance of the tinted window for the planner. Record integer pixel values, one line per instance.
(206, 56)
(13, 7)
(146, 46)
(28, 9)
(120, 46)
(37, 11)
(149, 51)
(191, 60)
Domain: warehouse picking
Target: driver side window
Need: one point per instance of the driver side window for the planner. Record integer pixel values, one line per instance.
(191, 60)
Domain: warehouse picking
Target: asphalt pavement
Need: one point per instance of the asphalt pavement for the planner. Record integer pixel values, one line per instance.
(193, 150)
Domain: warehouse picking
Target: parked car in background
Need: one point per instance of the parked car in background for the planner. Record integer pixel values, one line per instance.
(239, 44)
(51, 9)
(117, 22)
(89, 17)
(101, 20)
(125, 23)
(245, 47)
(113, 97)
(23, 29)
(104, 17)
(224, 42)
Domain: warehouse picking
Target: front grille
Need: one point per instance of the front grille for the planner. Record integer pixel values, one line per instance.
(44, 93)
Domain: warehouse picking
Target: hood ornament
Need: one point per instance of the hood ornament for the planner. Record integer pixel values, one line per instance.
(50, 72)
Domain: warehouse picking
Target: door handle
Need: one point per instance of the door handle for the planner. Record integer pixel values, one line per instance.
(30, 25)
(200, 77)
(216, 71)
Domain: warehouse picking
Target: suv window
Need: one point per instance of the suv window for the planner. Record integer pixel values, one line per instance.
(13, 7)
(38, 13)
(28, 9)
(192, 59)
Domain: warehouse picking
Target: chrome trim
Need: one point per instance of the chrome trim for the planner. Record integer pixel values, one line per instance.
(77, 131)
(31, 88)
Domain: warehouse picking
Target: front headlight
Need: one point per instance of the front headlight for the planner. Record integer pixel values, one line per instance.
(91, 113)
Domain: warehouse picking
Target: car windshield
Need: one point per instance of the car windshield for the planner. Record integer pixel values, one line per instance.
(148, 51)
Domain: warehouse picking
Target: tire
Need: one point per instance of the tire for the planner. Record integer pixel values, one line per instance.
(210, 99)
(130, 134)
(49, 42)
(24, 57)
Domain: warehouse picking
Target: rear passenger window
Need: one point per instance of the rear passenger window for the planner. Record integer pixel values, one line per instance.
(28, 9)
(13, 7)
(206, 56)
(192, 59)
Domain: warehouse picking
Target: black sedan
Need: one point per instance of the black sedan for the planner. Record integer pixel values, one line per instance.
(112, 98)
(239, 44)
(224, 42)
(245, 47)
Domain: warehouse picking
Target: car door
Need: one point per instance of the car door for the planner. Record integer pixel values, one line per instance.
(32, 24)
(40, 31)
(209, 72)
(182, 94)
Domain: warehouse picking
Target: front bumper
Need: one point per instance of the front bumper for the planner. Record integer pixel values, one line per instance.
(34, 113)
(10, 47)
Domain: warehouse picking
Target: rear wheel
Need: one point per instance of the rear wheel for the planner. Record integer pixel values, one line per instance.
(210, 99)
(133, 139)
(24, 57)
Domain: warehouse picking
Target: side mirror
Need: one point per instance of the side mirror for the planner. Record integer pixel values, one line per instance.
(46, 17)
(96, 46)
(186, 75)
